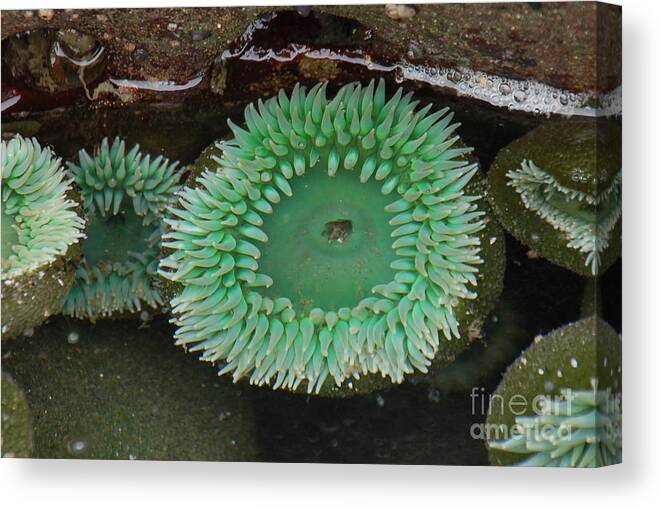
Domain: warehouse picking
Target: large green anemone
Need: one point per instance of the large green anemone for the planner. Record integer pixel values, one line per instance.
(125, 194)
(368, 243)
(559, 403)
(559, 190)
(41, 231)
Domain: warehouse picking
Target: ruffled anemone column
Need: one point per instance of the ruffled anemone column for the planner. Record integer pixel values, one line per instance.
(559, 404)
(558, 189)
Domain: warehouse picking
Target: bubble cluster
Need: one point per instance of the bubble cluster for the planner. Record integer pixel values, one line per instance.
(519, 95)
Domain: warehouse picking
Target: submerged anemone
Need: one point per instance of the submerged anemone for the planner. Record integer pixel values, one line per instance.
(370, 249)
(41, 231)
(125, 194)
(559, 190)
(559, 404)
(576, 429)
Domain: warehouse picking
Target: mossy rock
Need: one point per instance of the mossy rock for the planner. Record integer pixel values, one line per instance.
(29, 299)
(581, 154)
(116, 391)
(17, 441)
(582, 356)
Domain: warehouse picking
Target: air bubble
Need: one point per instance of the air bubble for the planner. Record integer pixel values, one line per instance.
(454, 76)
(434, 395)
(77, 446)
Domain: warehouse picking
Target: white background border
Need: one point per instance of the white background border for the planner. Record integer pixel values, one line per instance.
(50, 482)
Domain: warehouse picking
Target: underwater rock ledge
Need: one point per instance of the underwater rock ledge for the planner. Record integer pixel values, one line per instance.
(522, 41)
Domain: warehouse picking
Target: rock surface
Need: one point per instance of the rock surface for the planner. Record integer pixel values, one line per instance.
(575, 46)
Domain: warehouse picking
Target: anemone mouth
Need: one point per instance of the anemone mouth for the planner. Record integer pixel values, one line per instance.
(243, 306)
(125, 195)
(586, 218)
(579, 429)
(39, 221)
(329, 243)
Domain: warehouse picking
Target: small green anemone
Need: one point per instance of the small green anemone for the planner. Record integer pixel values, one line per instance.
(587, 218)
(372, 244)
(125, 195)
(577, 429)
(559, 190)
(41, 230)
(559, 403)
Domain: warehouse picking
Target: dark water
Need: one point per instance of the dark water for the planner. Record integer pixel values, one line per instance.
(414, 423)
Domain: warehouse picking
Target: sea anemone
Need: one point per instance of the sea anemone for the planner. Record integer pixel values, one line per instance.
(577, 429)
(559, 190)
(41, 230)
(347, 195)
(559, 404)
(125, 195)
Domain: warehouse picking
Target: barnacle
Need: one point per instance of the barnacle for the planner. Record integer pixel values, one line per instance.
(559, 403)
(365, 192)
(40, 234)
(125, 194)
(559, 190)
